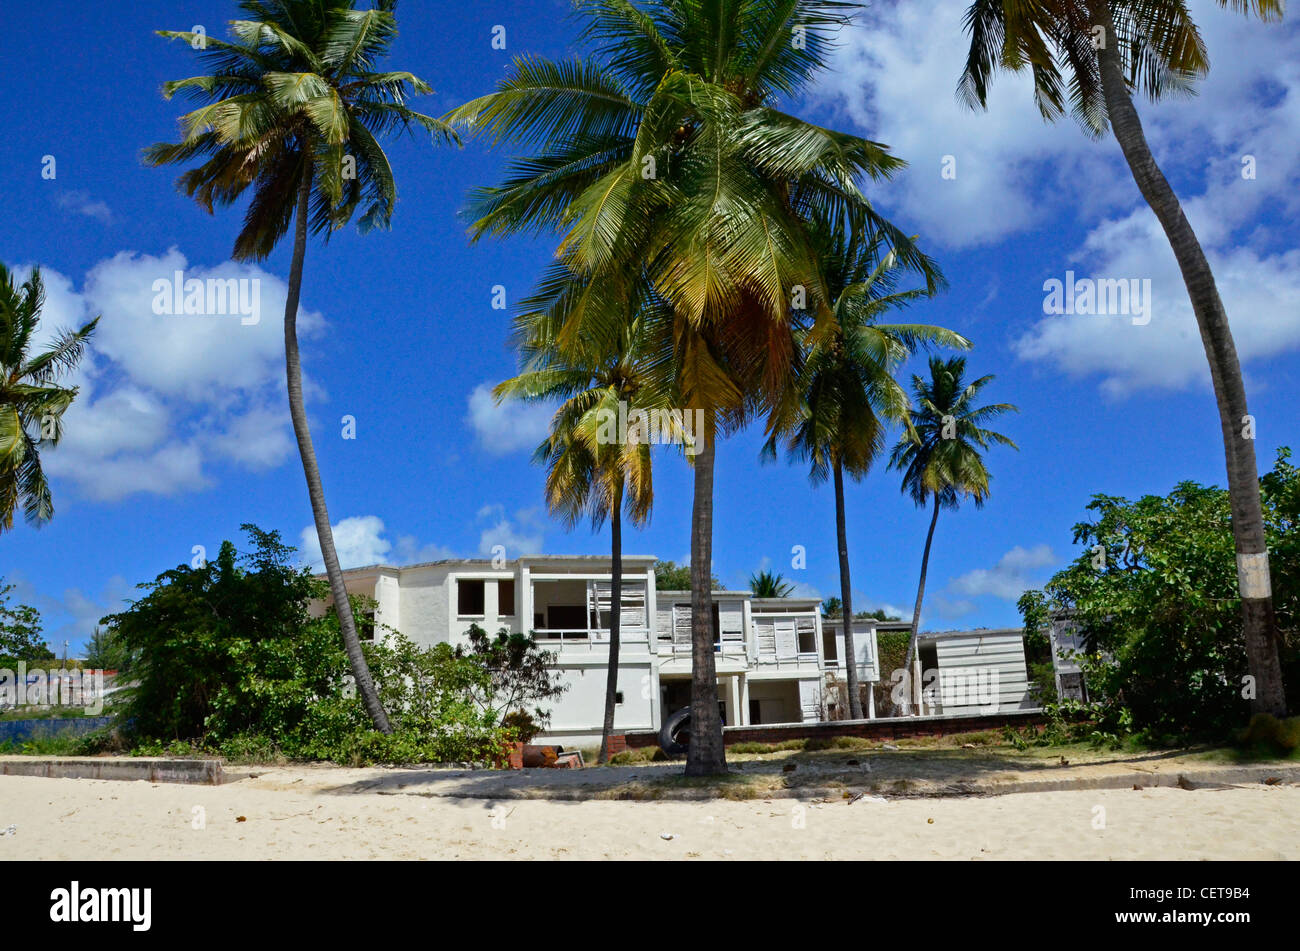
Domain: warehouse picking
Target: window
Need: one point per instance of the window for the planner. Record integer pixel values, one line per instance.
(828, 645)
(807, 638)
(506, 597)
(469, 598)
(566, 617)
(618, 696)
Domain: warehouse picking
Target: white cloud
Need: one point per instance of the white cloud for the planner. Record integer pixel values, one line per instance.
(509, 427)
(521, 535)
(895, 77)
(360, 541)
(260, 439)
(197, 357)
(1014, 573)
(82, 203)
(164, 399)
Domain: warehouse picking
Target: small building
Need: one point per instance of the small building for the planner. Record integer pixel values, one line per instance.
(969, 672)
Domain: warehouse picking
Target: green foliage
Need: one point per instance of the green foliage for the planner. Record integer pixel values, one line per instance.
(105, 651)
(230, 625)
(518, 673)
(941, 455)
(297, 90)
(877, 615)
(230, 660)
(1268, 731)
(32, 401)
(832, 607)
(20, 632)
(1154, 592)
(523, 726)
(765, 584)
(670, 576)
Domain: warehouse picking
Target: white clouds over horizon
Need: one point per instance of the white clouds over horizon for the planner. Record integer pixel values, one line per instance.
(895, 76)
(165, 399)
(361, 541)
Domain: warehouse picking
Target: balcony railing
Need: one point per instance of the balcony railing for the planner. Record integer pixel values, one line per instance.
(583, 639)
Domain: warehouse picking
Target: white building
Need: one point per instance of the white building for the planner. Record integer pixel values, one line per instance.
(775, 662)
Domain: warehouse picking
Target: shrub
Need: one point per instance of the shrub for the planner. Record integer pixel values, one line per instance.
(1154, 592)
(1268, 731)
(229, 660)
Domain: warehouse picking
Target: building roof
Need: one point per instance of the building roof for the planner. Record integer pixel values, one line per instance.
(488, 564)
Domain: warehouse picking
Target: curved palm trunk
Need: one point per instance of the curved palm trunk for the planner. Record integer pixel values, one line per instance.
(1259, 623)
(297, 410)
(615, 617)
(916, 611)
(846, 598)
(706, 756)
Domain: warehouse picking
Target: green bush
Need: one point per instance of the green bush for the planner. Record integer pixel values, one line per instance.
(1154, 592)
(1268, 731)
(230, 661)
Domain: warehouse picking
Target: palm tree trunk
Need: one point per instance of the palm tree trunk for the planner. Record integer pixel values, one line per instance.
(615, 616)
(706, 755)
(297, 410)
(846, 597)
(1259, 623)
(916, 611)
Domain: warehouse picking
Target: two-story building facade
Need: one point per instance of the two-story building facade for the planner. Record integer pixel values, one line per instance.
(775, 663)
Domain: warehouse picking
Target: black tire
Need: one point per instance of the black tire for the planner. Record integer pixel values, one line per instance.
(675, 734)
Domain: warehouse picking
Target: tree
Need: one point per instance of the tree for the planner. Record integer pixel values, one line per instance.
(845, 396)
(519, 672)
(670, 576)
(832, 607)
(880, 614)
(1109, 48)
(595, 471)
(32, 402)
(294, 109)
(20, 631)
(1152, 594)
(193, 632)
(105, 651)
(663, 158)
(765, 584)
(941, 457)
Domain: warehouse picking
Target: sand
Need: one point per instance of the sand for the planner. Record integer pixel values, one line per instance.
(305, 813)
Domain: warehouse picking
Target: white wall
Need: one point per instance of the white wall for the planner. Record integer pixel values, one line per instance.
(990, 667)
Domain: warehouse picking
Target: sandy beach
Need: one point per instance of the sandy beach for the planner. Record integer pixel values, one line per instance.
(305, 813)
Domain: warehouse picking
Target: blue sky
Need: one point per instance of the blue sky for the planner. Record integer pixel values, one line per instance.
(181, 432)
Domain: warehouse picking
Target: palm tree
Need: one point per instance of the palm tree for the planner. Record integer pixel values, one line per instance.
(941, 458)
(845, 394)
(292, 108)
(1108, 49)
(663, 157)
(765, 584)
(32, 402)
(589, 473)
